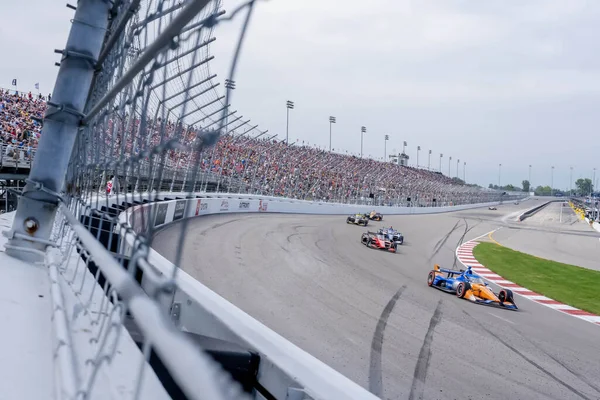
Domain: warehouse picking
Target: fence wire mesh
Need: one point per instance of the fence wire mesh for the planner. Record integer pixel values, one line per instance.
(153, 109)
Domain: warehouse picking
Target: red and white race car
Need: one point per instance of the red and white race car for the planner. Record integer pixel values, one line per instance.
(379, 241)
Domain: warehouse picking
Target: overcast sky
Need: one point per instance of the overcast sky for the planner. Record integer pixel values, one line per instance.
(486, 82)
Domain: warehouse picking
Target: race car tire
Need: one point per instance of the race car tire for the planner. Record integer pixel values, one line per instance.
(348, 220)
(462, 288)
(506, 295)
(430, 278)
(401, 241)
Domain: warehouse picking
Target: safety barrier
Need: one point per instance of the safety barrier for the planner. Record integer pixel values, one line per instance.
(533, 210)
(198, 310)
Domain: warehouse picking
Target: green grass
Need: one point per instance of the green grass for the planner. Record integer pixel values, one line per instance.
(569, 284)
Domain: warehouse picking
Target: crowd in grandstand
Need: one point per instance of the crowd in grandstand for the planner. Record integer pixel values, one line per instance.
(21, 117)
(272, 167)
(268, 167)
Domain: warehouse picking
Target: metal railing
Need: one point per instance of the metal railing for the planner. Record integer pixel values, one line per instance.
(16, 157)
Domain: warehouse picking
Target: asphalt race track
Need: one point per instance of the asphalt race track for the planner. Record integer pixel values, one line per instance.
(556, 235)
(370, 314)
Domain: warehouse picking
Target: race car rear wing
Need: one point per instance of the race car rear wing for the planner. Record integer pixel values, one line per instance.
(448, 271)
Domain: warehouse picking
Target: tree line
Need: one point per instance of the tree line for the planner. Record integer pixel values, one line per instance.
(583, 187)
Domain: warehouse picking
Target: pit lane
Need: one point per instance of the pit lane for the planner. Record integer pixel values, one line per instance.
(370, 314)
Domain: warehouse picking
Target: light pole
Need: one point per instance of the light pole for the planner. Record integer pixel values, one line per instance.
(404, 147)
(593, 183)
(289, 106)
(363, 130)
(331, 121)
(529, 177)
(229, 84)
(429, 161)
(457, 162)
(552, 181)
(465, 172)
(418, 149)
(571, 182)
(386, 138)
(441, 156)
(499, 174)
(449, 159)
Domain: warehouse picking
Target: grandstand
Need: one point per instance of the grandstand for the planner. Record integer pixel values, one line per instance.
(253, 165)
(245, 164)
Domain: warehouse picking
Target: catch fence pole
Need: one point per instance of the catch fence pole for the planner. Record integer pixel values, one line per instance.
(40, 198)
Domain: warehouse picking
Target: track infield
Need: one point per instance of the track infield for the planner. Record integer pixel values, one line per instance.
(569, 284)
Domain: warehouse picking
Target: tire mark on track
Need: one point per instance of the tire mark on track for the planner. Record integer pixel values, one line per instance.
(375, 366)
(438, 246)
(529, 360)
(418, 385)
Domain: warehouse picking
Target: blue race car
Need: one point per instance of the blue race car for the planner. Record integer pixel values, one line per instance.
(468, 285)
(392, 234)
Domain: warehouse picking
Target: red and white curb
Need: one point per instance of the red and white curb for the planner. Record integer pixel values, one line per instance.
(464, 253)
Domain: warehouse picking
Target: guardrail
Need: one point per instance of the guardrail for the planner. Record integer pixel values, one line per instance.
(198, 310)
(534, 210)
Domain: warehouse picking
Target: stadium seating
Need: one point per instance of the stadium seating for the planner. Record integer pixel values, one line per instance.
(259, 166)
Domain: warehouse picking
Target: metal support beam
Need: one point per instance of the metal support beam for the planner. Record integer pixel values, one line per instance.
(37, 207)
(192, 9)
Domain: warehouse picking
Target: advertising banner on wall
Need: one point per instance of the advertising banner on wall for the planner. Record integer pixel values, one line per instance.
(139, 220)
(202, 206)
(179, 210)
(161, 214)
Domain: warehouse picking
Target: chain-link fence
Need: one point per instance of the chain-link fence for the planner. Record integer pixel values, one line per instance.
(151, 110)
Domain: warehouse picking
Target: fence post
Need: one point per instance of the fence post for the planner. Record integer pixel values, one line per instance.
(38, 204)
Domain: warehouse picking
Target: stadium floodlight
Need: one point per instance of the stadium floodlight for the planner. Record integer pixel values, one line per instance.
(441, 156)
(418, 149)
(457, 162)
(289, 105)
(385, 139)
(552, 181)
(449, 159)
(571, 182)
(363, 130)
(229, 84)
(404, 144)
(331, 121)
(429, 161)
(593, 183)
(499, 174)
(464, 172)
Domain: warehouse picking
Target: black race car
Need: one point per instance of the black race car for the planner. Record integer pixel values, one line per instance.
(357, 219)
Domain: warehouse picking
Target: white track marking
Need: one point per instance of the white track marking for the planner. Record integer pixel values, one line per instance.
(503, 319)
